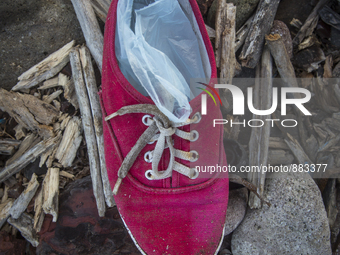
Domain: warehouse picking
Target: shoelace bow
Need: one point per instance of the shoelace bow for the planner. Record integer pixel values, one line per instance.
(159, 123)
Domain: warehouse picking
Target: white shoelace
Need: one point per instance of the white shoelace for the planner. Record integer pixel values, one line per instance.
(161, 130)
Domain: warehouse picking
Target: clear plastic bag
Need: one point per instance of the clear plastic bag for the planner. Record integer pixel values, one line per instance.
(158, 53)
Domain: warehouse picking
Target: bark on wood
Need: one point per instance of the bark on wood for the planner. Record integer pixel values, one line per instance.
(279, 157)
(46, 69)
(25, 198)
(27, 158)
(242, 33)
(8, 146)
(262, 22)
(310, 23)
(51, 193)
(25, 145)
(5, 211)
(259, 139)
(91, 30)
(92, 91)
(101, 7)
(39, 214)
(25, 225)
(89, 132)
(70, 143)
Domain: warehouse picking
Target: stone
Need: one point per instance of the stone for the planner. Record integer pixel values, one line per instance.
(30, 30)
(295, 223)
(244, 9)
(80, 230)
(237, 206)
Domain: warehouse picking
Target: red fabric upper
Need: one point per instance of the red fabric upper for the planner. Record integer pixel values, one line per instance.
(176, 215)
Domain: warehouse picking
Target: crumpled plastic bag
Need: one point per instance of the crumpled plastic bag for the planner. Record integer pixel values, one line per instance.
(158, 53)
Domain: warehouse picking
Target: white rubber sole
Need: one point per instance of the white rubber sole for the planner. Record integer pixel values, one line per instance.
(143, 252)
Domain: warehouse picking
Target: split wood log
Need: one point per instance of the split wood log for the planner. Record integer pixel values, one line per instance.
(101, 7)
(29, 111)
(260, 26)
(310, 23)
(27, 158)
(51, 83)
(259, 139)
(279, 157)
(25, 198)
(242, 33)
(5, 211)
(70, 142)
(91, 30)
(46, 69)
(8, 146)
(25, 225)
(51, 193)
(29, 140)
(90, 82)
(39, 214)
(89, 132)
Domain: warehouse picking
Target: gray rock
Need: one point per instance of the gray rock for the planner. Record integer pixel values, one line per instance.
(244, 9)
(237, 206)
(296, 222)
(30, 31)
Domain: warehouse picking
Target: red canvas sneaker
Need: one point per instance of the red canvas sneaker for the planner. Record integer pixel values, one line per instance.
(167, 205)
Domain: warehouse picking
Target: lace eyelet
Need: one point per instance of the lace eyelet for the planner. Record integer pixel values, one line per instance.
(194, 156)
(195, 135)
(148, 175)
(145, 119)
(198, 114)
(195, 175)
(148, 157)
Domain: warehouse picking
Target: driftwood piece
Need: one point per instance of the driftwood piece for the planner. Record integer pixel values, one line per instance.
(25, 198)
(27, 158)
(48, 99)
(89, 131)
(51, 83)
(8, 146)
(25, 145)
(228, 59)
(101, 7)
(46, 69)
(29, 111)
(260, 26)
(259, 139)
(279, 157)
(19, 131)
(25, 225)
(51, 157)
(67, 175)
(242, 33)
(90, 82)
(220, 26)
(39, 214)
(69, 91)
(5, 211)
(297, 150)
(70, 142)
(91, 30)
(310, 23)
(51, 193)
(211, 32)
(277, 143)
